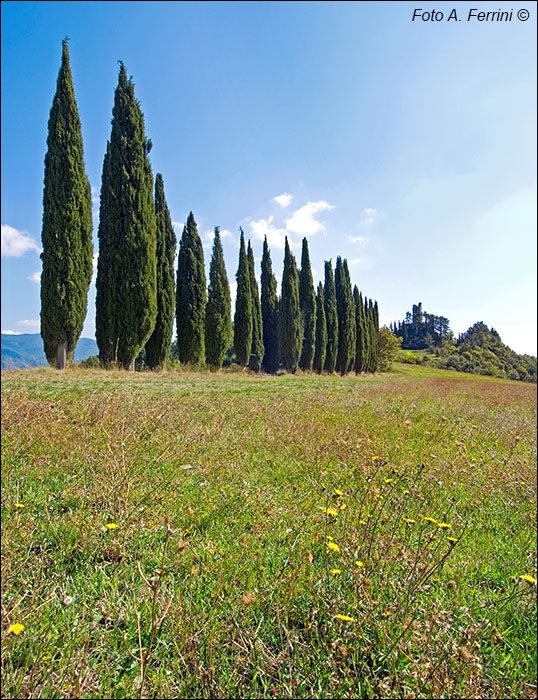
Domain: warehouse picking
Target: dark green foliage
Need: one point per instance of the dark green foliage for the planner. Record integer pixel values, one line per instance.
(422, 330)
(67, 225)
(256, 349)
(307, 303)
(158, 344)
(218, 321)
(321, 332)
(331, 316)
(346, 318)
(191, 296)
(289, 317)
(127, 268)
(269, 307)
(361, 349)
(243, 308)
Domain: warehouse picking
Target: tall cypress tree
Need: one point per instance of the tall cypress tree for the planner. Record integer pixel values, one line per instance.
(321, 331)
(269, 306)
(158, 344)
(307, 302)
(191, 296)
(243, 307)
(257, 349)
(126, 303)
(368, 323)
(360, 348)
(218, 322)
(67, 226)
(346, 318)
(289, 318)
(331, 316)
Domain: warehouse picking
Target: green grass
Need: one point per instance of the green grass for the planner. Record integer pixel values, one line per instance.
(217, 581)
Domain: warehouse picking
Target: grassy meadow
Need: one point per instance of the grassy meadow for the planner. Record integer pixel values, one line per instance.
(226, 535)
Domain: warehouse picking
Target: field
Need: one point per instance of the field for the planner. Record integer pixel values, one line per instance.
(224, 535)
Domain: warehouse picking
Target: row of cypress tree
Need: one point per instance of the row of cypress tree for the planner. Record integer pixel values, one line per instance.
(331, 330)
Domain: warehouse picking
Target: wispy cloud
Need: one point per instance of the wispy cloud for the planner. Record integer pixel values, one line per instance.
(264, 227)
(303, 220)
(35, 277)
(358, 240)
(29, 323)
(11, 333)
(369, 215)
(16, 243)
(283, 199)
(94, 267)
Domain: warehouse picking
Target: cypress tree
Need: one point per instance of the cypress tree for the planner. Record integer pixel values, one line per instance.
(256, 349)
(243, 308)
(126, 303)
(158, 344)
(375, 335)
(289, 318)
(67, 225)
(191, 296)
(369, 363)
(346, 318)
(269, 305)
(218, 322)
(307, 302)
(331, 316)
(360, 348)
(321, 331)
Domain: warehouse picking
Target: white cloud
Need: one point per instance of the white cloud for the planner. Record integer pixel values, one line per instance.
(283, 199)
(369, 215)
(11, 333)
(15, 243)
(264, 227)
(94, 267)
(35, 277)
(29, 323)
(225, 233)
(359, 240)
(303, 220)
(233, 294)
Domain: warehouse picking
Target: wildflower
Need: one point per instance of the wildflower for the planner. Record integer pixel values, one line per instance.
(387, 481)
(431, 520)
(528, 578)
(376, 457)
(363, 522)
(407, 492)
(16, 628)
(388, 613)
(329, 537)
(453, 540)
(336, 571)
(444, 525)
(410, 521)
(19, 505)
(338, 492)
(111, 526)
(359, 564)
(123, 444)
(333, 546)
(345, 618)
(343, 506)
(330, 511)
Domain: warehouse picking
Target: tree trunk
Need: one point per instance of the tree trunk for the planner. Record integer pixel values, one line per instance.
(61, 355)
(130, 367)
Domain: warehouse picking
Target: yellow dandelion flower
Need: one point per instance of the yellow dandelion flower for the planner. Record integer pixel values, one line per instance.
(387, 481)
(329, 537)
(363, 522)
(452, 539)
(19, 505)
(111, 526)
(338, 492)
(336, 571)
(333, 546)
(431, 520)
(359, 564)
(345, 618)
(16, 628)
(330, 511)
(343, 506)
(376, 457)
(528, 578)
(410, 521)
(388, 613)
(444, 525)
(407, 491)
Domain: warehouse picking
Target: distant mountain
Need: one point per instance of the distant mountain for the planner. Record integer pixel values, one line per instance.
(26, 350)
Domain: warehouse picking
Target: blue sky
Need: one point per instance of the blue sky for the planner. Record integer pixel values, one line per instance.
(408, 148)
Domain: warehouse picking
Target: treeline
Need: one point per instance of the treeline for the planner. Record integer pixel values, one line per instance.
(139, 291)
(421, 330)
(479, 350)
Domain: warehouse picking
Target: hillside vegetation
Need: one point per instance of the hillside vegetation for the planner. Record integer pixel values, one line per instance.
(234, 535)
